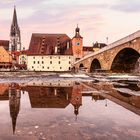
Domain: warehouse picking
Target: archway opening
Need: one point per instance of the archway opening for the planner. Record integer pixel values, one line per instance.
(125, 61)
(95, 65)
(81, 66)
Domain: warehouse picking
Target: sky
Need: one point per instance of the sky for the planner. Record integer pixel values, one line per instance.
(97, 19)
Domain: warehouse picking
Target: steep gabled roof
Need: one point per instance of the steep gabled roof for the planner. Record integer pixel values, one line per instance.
(44, 44)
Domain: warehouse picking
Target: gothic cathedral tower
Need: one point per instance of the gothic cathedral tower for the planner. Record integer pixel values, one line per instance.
(15, 38)
(77, 44)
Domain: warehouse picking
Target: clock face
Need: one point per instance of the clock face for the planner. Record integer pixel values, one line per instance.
(77, 43)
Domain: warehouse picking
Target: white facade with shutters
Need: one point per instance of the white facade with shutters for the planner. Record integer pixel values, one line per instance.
(49, 62)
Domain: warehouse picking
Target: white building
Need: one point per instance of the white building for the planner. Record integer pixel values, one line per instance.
(49, 62)
(50, 52)
(22, 57)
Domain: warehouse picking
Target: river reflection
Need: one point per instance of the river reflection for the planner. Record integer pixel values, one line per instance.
(46, 110)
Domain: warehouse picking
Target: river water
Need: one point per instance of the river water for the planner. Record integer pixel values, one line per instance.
(70, 108)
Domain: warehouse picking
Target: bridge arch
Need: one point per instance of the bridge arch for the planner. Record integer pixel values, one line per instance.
(125, 60)
(81, 66)
(95, 65)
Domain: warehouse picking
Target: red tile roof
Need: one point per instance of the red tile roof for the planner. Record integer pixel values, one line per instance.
(99, 45)
(5, 44)
(17, 53)
(87, 48)
(44, 44)
(24, 52)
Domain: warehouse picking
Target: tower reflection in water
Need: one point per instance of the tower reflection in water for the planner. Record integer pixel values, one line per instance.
(14, 103)
(12, 93)
(59, 94)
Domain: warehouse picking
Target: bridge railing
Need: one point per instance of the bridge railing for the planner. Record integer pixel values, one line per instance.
(126, 39)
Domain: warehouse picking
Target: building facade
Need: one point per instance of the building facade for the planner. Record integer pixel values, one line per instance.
(50, 52)
(87, 50)
(49, 62)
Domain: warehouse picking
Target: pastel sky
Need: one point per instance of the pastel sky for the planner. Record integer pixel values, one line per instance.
(97, 19)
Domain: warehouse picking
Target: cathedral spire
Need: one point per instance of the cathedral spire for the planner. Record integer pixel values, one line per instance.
(15, 40)
(14, 22)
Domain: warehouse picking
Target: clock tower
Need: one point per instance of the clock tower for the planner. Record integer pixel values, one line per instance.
(77, 44)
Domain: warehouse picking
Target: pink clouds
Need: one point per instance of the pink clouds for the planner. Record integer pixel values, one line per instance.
(97, 20)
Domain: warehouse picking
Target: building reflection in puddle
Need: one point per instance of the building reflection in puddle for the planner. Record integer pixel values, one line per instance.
(59, 94)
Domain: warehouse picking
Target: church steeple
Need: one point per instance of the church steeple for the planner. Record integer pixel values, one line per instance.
(15, 39)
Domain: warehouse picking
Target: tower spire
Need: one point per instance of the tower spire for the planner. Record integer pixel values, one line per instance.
(15, 39)
(77, 32)
(15, 23)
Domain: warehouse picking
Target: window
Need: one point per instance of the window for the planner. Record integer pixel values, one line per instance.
(38, 62)
(47, 67)
(59, 62)
(59, 57)
(50, 57)
(42, 67)
(42, 57)
(34, 62)
(69, 62)
(50, 62)
(33, 57)
(42, 62)
(32, 67)
(69, 68)
(60, 67)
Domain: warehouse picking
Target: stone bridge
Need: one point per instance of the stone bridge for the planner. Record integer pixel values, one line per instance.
(120, 56)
